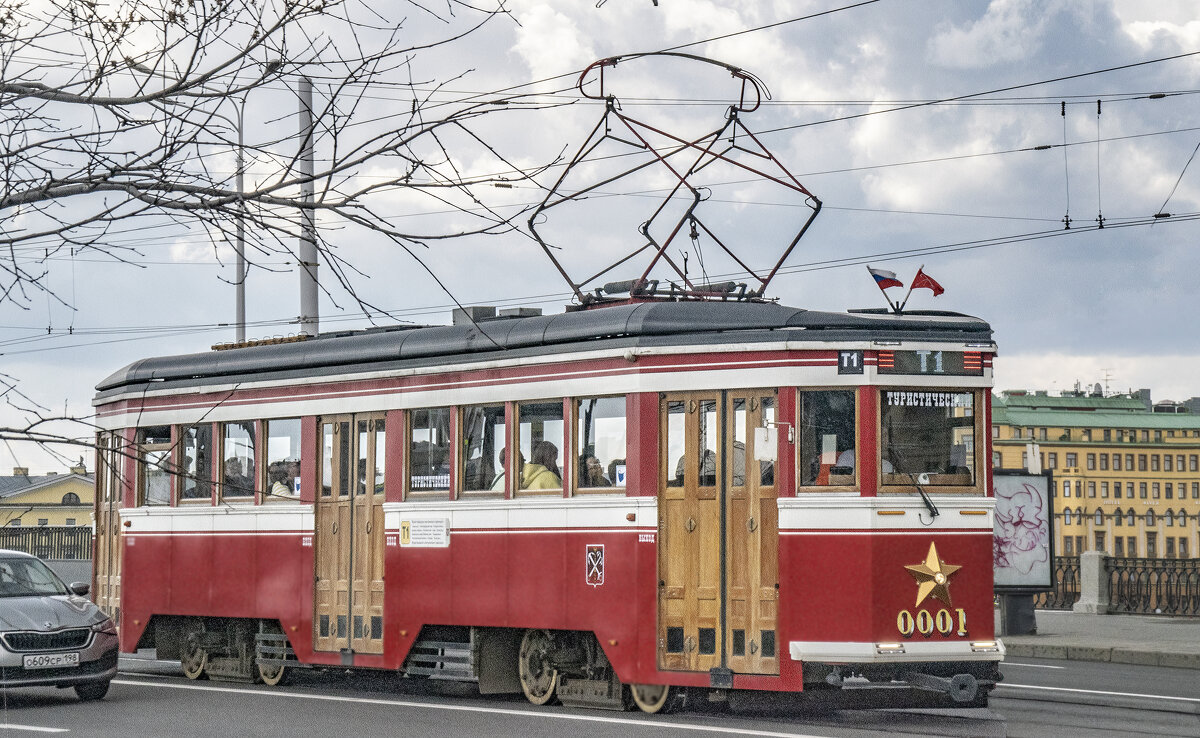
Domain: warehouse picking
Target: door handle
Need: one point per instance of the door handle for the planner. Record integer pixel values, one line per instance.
(751, 525)
(690, 525)
(689, 644)
(368, 526)
(753, 647)
(334, 528)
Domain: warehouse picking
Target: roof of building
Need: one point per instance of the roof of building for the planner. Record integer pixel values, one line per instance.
(621, 326)
(11, 486)
(1041, 401)
(1093, 419)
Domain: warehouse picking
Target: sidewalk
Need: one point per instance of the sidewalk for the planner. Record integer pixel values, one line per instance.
(1151, 640)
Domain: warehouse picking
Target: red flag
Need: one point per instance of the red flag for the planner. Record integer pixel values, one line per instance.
(924, 280)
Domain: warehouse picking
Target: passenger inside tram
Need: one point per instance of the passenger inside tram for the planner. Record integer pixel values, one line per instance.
(542, 470)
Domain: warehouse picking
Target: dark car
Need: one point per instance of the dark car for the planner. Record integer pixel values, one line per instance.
(51, 634)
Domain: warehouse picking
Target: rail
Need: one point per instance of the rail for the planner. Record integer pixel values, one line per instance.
(57, 542)
(1154, 586)
(1065, 593)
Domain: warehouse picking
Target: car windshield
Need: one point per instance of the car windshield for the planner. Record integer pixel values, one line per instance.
(22, 577)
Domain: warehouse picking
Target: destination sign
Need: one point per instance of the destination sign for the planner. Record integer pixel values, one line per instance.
(949, 363)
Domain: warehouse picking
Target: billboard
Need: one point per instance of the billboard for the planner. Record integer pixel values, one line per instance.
(1023, 534)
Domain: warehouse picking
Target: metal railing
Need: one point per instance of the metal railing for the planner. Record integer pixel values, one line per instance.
(1154, 586)
(1066, 586)
(58, 542)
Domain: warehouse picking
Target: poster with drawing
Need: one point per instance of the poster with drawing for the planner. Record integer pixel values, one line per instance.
(1023, 536)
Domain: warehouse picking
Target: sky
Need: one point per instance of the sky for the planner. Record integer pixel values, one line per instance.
(958, 187)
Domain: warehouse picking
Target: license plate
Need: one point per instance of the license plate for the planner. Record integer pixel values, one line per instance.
(50, 660)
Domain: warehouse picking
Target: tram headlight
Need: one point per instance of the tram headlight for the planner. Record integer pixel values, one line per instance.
(882, 648)
(984, 646)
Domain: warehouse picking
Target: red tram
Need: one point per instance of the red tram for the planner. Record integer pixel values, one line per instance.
(599, 506)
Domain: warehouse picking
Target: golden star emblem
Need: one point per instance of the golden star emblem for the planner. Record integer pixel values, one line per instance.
(933, 577)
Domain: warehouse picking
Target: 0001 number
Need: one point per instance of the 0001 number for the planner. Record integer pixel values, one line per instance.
(925, 622)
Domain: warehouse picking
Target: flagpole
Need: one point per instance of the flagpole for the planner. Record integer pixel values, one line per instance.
(885, 294)
(910, 289)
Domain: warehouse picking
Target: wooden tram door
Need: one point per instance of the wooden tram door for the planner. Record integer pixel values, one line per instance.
(108, 527)
(350, 535)
(718, 534)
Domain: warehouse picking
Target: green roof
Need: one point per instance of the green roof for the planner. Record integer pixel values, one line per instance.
(1116, 403)
(1092, 419)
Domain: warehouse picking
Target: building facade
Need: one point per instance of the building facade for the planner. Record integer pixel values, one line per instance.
(1126, 472)
(47, 499)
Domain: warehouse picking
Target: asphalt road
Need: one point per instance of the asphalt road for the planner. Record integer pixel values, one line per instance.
(1039, 698)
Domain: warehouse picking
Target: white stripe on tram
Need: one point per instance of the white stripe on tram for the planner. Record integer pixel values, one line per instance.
(640, 723)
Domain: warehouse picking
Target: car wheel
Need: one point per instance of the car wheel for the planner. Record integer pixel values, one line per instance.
(91, 691)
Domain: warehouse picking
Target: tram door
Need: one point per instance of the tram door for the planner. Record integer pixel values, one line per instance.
(349, 535)
(108, 527)
(718, 534)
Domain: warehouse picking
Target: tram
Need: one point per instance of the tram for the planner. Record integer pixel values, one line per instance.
(610, 507)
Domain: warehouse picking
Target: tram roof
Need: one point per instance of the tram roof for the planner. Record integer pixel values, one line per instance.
(623, 326)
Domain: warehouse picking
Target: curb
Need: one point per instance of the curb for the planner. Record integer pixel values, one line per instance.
(1115, 654)
(1019, 693)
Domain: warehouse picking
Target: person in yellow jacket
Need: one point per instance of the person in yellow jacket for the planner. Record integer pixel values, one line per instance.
(541, 472)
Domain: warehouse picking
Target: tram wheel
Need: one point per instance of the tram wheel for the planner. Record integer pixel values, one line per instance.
(193, 657)
(538, 676)
(653, 698)
(272, 676)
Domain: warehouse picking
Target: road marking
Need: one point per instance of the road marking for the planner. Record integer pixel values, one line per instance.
(33, 728)
(635, 722)
(1100, 692)
(1032, 666)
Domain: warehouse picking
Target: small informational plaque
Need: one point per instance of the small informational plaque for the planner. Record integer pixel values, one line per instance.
(425, 533)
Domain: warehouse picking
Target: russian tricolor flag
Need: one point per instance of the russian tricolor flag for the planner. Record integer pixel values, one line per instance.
(884, 278)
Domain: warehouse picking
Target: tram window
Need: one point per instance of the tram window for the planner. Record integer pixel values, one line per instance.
(155, 477)
(483, 442)
(196, 462)
(283, 458)
(540, 436)
(237, 449)
(429, 451)
(827, 449)
(601, 439)
(710, 436)
(928, 433)
(676, 414)
(766, 469)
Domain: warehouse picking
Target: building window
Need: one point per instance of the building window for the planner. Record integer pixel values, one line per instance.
(1183, 548)
(1141, 462)
(1131, 547)
(1117, 490)
(1169, 519)
(196, 482)
(1196, 490)
(1052, 460)
(1100, 540)
(1087, 434)
(1091, 489)
(15, 522)
(1068, 546)
(540, 435)
(1118, 518)
(1145, 436)
(1150, 520)
(995, 431)
(1107, 434)
(1072, 461)
(1128, 462)
(1151, 545)
(1116, 462)
(1167, 463)
(1119, 545)
(1041, 434)
(429, 451)
(601, 441)
(1103, 462)
(485, 453)
(43, 521)
(1104, 489)
(1099, 517)
(70, 498)
(1067, 516)
(1066, 491)
(1154, 463)
(283, 458)
(70, 521)
(1170, 546)
(1155, 490)
(1142, 490)
(1179, 463)
(1078, 488)
(1158, 436)
(1193, 461)
(1091, 462)
(826, 445)
(237, 448)
(1169, 491)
